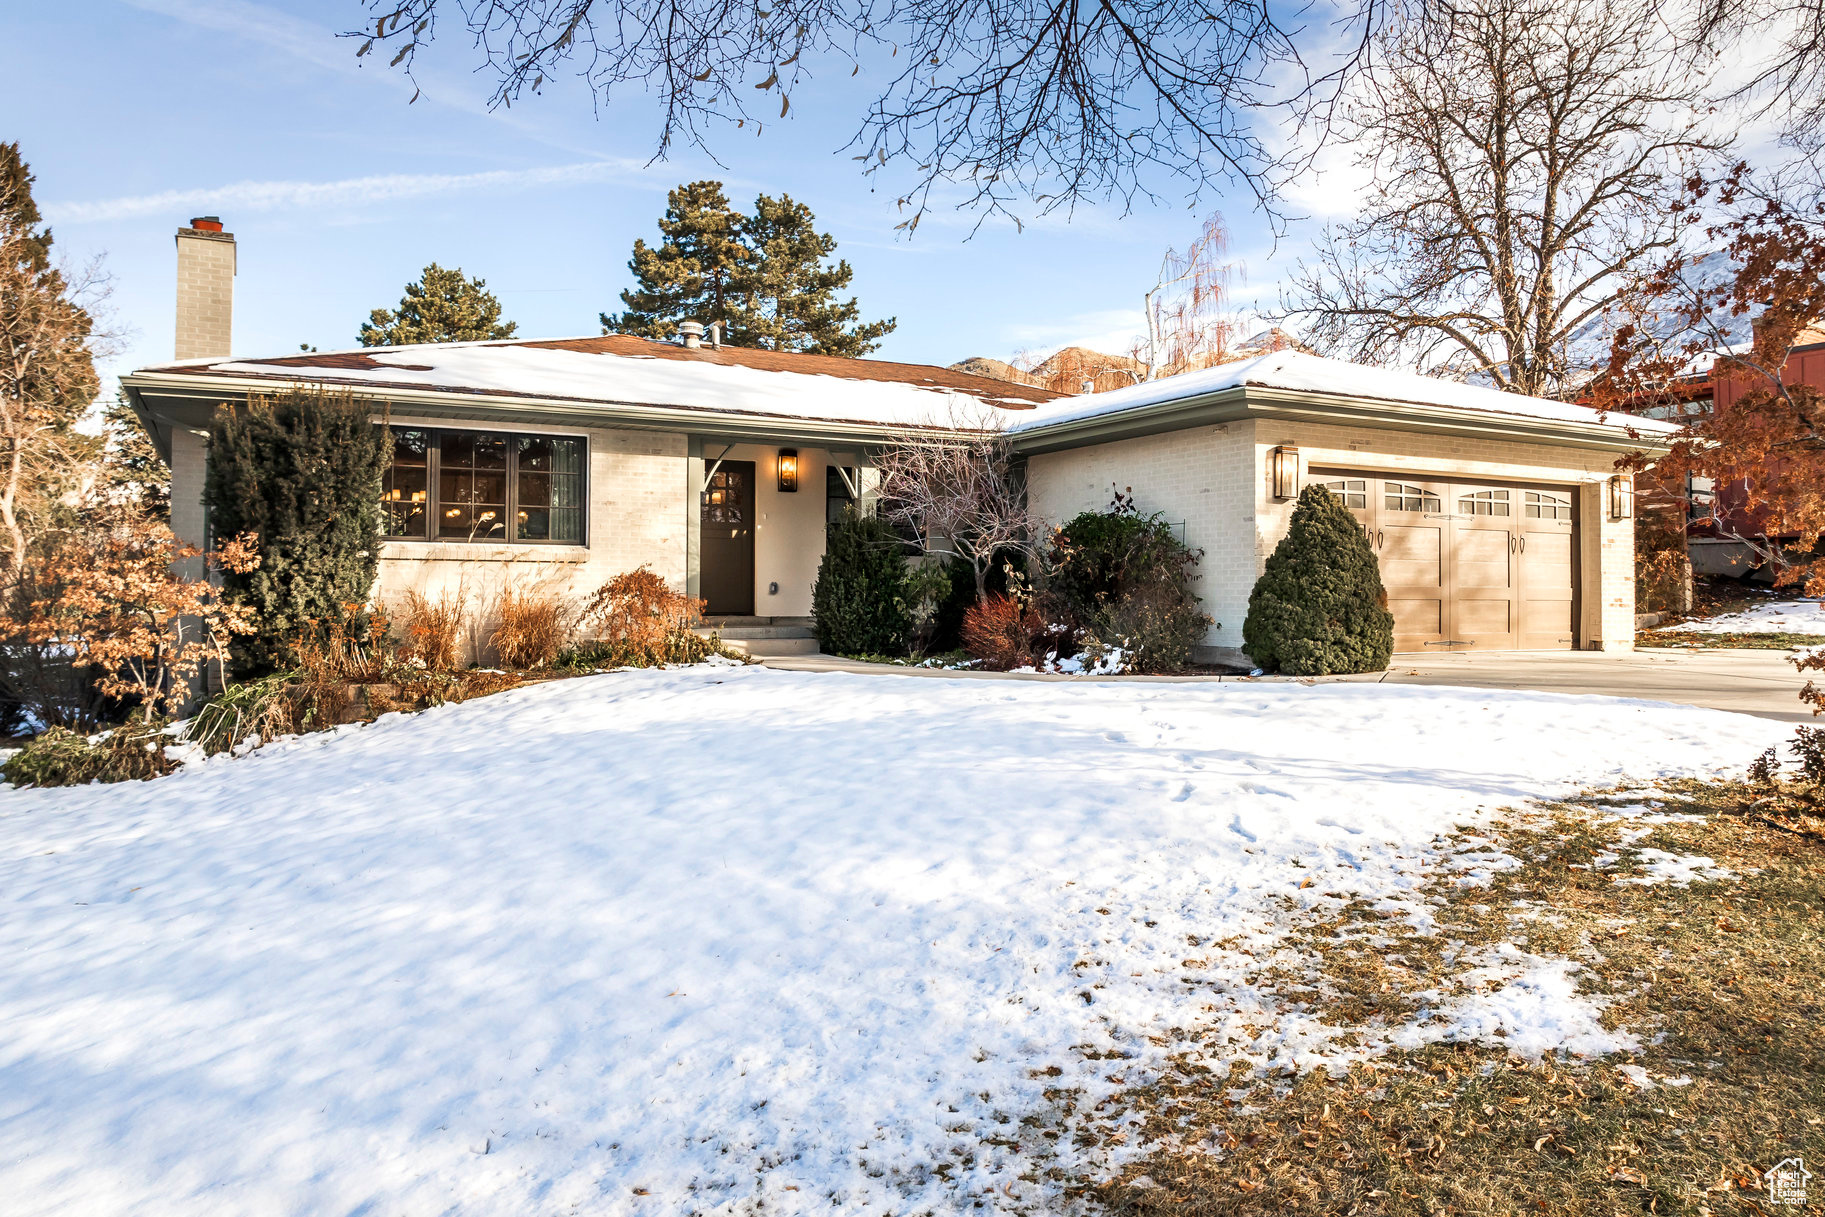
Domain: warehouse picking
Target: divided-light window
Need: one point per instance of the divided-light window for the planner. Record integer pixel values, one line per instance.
(450, 485)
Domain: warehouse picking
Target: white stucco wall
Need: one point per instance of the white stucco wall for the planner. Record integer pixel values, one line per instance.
(788, 528)
(1217, 480)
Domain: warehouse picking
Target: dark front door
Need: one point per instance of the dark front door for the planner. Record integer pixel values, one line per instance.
(727, 569)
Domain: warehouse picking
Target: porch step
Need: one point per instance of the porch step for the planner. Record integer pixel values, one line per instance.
(766, 637)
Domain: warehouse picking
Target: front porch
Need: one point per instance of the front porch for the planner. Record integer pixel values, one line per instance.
(756, 519)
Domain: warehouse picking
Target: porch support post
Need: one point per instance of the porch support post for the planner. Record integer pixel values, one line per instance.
(693, 518)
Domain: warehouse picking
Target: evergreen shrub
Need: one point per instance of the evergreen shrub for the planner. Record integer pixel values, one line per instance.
(859, 601)
(1124, 580)
(302, 472)
(1319, 607)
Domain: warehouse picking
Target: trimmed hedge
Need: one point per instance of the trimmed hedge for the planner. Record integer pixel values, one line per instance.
(1319, 607)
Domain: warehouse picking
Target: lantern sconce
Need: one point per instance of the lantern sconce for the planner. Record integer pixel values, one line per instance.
(1622, 497)
(788, 470)
(1285, 466)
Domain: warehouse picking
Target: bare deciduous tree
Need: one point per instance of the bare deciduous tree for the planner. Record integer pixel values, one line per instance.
(964, 496)
(1049, 100)
(1525, 156)
(47, 365)
(1186, 326)
(1761, 438)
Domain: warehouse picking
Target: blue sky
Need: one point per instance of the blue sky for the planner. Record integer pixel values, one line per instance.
(144, 113)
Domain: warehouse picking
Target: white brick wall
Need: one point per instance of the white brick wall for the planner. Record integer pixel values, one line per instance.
(1200, 476)
(637, 515)
(1217, 480)
(205, 294)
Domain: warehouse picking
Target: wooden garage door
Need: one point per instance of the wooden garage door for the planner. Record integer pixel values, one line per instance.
(1468, 565)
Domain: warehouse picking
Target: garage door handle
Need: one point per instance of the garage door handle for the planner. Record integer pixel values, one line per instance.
(1378, 538)
(1523, 544)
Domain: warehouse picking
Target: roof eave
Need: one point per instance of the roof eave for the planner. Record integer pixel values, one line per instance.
(499, 407)
(1255, 401)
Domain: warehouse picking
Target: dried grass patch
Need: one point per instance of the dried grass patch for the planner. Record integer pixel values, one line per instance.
(1720, 981)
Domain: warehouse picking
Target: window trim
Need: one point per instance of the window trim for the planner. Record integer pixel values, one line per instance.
(433, 462)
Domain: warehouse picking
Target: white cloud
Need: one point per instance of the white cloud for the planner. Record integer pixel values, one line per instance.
(383, 188)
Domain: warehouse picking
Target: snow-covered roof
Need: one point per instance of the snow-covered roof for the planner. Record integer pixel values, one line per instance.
(622, 370)
(639, 376)
(1299, 372)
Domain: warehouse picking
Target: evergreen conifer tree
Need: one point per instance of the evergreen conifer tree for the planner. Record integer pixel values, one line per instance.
(859, 600)
(695, 274)
(790, 294)
(764, 276)
(443, 306)
(1319, 607)
(301, 471)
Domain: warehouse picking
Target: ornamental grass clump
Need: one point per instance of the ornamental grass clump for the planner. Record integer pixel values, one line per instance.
(131, 752)
(531, 627)
(1319, 607)
(432, 631)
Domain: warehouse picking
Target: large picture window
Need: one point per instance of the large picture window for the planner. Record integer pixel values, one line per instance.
(452, 485)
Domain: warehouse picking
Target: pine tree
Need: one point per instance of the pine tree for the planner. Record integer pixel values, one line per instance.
(130, 463)
(442, 306)
(301, 471)
(1319, 607)
(790, 292)
(764, 276)
(696, 272)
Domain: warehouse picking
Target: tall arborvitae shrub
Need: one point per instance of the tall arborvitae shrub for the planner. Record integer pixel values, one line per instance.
(859, 600)
(302, 472)
(1319, 607)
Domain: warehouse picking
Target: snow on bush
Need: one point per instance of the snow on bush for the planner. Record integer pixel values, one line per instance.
(698, 939)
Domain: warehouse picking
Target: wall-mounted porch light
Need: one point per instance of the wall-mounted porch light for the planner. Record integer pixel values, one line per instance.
(1622, 496)
(788, 470)
(1285, 467)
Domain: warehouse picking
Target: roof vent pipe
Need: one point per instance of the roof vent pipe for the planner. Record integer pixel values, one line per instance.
(1089, 385)
(692, 333)
(716, 335)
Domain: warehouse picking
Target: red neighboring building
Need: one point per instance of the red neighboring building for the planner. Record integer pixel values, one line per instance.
(1717, 515)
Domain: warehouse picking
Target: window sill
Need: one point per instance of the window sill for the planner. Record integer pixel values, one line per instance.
(464, 551)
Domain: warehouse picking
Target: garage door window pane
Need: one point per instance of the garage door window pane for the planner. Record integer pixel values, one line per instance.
(1353, 491)
(1398, 496)
(1484, 503)
(1543, 506)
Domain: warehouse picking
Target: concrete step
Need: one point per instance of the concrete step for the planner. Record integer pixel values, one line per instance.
(757, 631)
(729, 622)
(766, 648)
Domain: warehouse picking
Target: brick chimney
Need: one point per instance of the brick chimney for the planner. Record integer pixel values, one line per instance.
(205, 289)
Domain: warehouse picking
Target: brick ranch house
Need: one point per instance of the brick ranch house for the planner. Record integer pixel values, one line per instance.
(1499, 520)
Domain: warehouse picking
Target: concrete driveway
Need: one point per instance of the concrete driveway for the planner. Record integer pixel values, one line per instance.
(1762, 683)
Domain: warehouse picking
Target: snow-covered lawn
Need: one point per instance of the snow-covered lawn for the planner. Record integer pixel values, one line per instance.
(680, 941)
(1774, 617)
